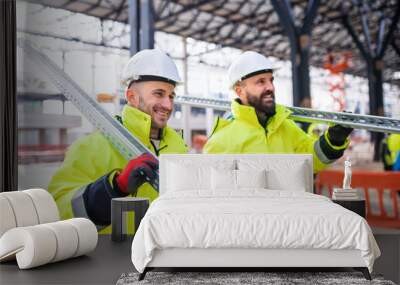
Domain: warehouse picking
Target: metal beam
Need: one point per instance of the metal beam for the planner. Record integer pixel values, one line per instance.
(203, 28)
(380, 35)
(112, 11)
(8, 103)
(240, 38)
(94, 6)
(235, 26)
(258, 21)
(134, 23)
(171, 20)
(146, 24)
(353, 34)
(300, 43)
(64, 6)
(286, 20)
(364, 23)
(252, 19)
(72, 39)
(374, 60)
(392, 28)
(119, 10)
(372, 74)
(161, 8)
(186, 8)
(186, 110)
(310, 14)
(190, 23)
(239, 41)
(227, 21)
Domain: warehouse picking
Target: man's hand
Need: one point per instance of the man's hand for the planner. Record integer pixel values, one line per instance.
(138, 171)
(338, 134)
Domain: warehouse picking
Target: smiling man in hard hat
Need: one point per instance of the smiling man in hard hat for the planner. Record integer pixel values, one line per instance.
(259, 125)
(94, 171)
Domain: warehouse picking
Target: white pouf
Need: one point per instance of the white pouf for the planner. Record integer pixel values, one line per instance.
(31, 233)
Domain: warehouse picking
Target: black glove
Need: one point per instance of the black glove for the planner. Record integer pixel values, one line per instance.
(141, 175)
(338, 134)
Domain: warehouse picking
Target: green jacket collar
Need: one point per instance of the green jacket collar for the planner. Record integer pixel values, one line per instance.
(137, 122)
(248, 114)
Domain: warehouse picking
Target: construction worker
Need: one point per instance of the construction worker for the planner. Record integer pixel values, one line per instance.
(258, 125)
(94, 172)
(390, 152)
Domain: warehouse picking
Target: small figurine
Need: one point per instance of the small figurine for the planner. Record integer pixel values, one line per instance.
(347, 174)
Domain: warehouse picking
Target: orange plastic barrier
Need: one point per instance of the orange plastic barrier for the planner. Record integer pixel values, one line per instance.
(380, 189)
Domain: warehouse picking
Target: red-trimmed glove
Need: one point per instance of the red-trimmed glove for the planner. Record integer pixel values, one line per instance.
(138, 171)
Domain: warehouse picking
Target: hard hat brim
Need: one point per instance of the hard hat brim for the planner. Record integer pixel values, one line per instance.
(257, 73)
(271, 70)
(143, 78)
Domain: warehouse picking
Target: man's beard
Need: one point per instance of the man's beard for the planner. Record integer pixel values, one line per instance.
(257, 103)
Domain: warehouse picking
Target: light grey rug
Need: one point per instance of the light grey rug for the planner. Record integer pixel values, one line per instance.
(229, 278)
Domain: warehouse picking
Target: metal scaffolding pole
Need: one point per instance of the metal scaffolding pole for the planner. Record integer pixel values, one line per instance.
(8, 98)
(141, 21)
(146, 24)
(300, 44)
(186, 109)
(134, 23)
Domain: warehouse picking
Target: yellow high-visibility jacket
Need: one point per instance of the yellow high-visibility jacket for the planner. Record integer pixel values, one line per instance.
(244, 134)
(93, 156)
(393, 150)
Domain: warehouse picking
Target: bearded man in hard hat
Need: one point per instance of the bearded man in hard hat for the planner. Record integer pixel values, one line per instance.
(259, 125)
(94, 171)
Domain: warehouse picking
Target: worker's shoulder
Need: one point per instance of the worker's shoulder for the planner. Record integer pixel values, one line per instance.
(283, 117)
(174, 140)
(394, 142)
(171, 133)
(172, 136)
(394, 137)
(222, 125)
(290, 123)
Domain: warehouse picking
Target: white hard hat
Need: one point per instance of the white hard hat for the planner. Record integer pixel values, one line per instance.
(150, 65)
(248, 64)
